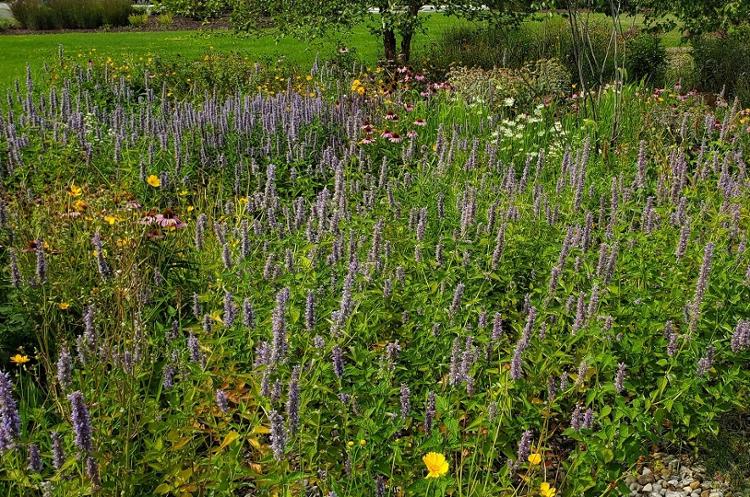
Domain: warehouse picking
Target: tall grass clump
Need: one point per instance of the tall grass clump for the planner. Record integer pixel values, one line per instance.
(488, 47)
(71, 14)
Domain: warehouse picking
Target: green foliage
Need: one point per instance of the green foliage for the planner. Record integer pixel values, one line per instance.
(138, 20)
(165, 20)
(680, 68)
(645, 58)
(696, 17)
(722, 62)
(71, 14)
(195, 9)
(6, 24)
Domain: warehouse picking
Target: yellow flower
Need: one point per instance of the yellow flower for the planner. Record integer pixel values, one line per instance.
(75, 190)
(535, 458)
(63, 306)
(154, 181)
(110, 219)
(80, 205)
(362, 442)
(350, 443)
(436, 464)
(546, 491)
(309, 77)
(19, 359)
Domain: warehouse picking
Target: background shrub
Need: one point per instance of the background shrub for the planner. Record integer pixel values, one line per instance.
(165, 20)
(71, 14)
(645, 58)
(195, 9)
(6, 24)
(680, 68)
(722, 62)
(138, 20)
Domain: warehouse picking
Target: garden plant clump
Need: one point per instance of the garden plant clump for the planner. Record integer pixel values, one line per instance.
(364, 284)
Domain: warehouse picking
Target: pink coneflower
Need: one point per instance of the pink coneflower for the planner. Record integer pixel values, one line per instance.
(411, 133)
(367, 140)
(132, 205)
(424, 93)
(420, 77)
(395, 138)
(402, 69)
(408, 107)
(168, 219)
(367, 127)
(386, 134)
(391, 116)
(420, 122)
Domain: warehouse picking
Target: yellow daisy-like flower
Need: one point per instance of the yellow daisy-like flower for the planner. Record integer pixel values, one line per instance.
(110, 219)
(535, 458)
(436, 464)
(63, 306)
(154, 181)
(80, 205)
(545, 490)
(19, 359)
(75, 190)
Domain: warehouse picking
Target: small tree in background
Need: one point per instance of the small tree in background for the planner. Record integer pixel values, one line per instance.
(387, 19)
(695, 17)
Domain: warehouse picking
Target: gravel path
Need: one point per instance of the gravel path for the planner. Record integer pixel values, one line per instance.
(672, 476)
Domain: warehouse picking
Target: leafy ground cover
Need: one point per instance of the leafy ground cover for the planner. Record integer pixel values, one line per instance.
(325, 283)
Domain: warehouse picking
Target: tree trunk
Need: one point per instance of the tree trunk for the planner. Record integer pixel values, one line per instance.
(389, 44)
(408, 31)
(406, 46)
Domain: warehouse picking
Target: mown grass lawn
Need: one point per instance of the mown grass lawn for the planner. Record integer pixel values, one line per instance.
(18, 50)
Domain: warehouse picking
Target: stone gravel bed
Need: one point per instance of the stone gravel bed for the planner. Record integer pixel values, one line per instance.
(665, 475)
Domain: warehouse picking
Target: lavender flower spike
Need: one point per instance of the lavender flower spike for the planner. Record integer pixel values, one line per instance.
(278, 435)
(620, 377)
(524, 446)
(79, 416)
(10, 422)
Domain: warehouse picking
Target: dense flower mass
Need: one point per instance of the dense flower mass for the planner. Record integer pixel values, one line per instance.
(306, 288)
